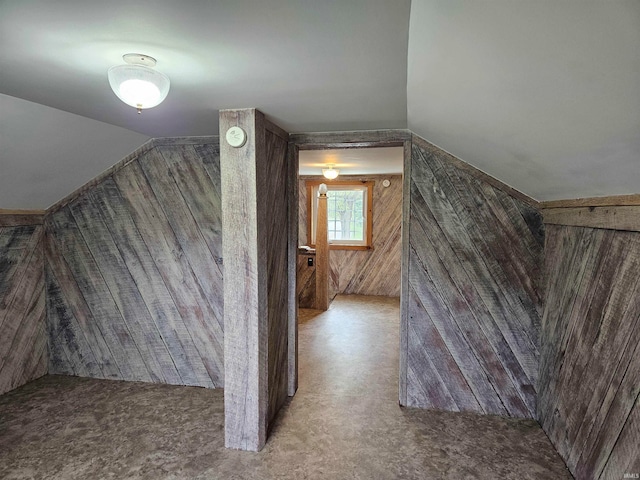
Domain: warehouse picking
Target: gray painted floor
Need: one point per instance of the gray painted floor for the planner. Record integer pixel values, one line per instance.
(343, 423)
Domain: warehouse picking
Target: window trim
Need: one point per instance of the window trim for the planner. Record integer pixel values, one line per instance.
(311, 184)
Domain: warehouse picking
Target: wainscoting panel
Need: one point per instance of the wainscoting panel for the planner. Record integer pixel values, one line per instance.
(475, 255)
(134, 281)
(589, 385)
(23, 339)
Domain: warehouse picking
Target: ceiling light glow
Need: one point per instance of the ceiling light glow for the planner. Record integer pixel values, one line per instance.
(137, 84)
(330, 172)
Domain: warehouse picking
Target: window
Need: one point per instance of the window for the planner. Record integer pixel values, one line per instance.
(349, 214)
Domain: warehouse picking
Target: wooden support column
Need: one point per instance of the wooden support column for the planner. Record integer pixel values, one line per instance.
(322, 253)
(255, 247)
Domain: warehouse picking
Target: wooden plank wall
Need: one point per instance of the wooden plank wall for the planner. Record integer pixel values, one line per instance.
(306, 281)
(366, 272)
(589, 400)
(133, 270)
(276, 247)
(23, 339)
(474, 301)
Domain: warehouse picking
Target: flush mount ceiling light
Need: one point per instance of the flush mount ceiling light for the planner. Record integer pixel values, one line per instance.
(330, 172)
(137, 83)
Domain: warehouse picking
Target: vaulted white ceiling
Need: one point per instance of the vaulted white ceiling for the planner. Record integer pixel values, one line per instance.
(541, 94)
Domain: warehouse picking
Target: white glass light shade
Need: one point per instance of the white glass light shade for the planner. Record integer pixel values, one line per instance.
(330, 173)
(138, 86)
(322, 190)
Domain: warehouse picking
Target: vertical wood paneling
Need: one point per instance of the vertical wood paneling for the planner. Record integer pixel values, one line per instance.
(590, 364)
(473, 291)
(134, 291)
(322, 255)
(22, 305)
(366, 272)
(246, 317)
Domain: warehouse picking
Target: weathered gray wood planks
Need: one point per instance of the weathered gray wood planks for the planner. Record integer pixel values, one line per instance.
(276, 212)
(23, 344)
(473, 300)
(306, 281)
(621, 217)
(256, 249)
(352, 139)
(19, 218)
(590, 362)
(134, 285)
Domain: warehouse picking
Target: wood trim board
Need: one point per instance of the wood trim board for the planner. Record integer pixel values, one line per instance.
(349, 139)
(19, 218)
(623, 217)
(610, 201)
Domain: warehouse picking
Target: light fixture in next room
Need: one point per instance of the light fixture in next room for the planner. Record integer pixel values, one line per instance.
(330, 172)
(137, 83)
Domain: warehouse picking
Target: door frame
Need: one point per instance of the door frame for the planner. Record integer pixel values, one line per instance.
(335, 140)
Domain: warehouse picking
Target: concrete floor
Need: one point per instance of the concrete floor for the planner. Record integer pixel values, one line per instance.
(343, 423)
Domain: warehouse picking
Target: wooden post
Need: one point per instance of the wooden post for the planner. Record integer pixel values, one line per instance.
(322, 252)
(245, 352)
(255, 251)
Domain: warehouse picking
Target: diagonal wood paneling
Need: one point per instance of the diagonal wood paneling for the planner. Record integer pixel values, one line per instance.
(276, 233)
(133, 275)
(589, 382)
(306, 281)
(474, 302)
(23, 340)
(369, 272)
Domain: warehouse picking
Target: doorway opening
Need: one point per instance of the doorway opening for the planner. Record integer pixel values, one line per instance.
(352, 348)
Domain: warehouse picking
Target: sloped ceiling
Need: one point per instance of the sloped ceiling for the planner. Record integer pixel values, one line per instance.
(46, 154)
(541, 94)
(544, 95)
(309, 65)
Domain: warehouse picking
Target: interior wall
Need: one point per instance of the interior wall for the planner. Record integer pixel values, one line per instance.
(133, 274)
(276, 237)
(23, 338)
(590, 361)
(472, 309)
(306, 280)
(257, 246)
(366, 272)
